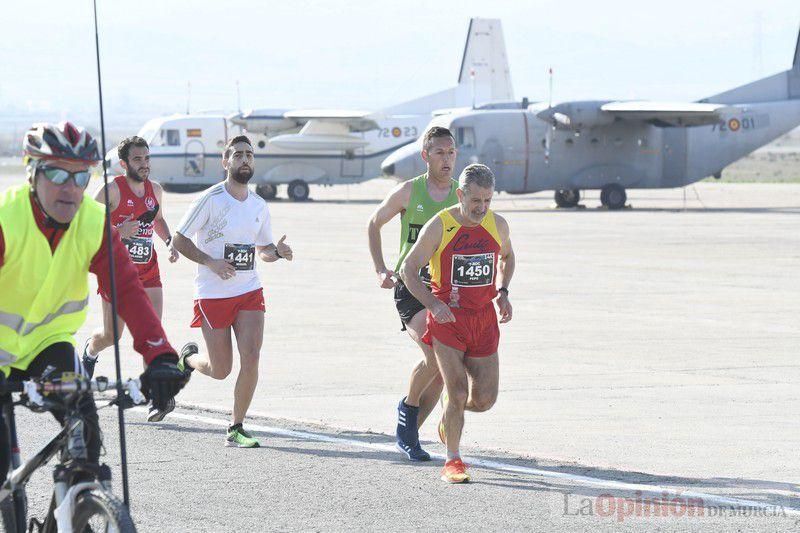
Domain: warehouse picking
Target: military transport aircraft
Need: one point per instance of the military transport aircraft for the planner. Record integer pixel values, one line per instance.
(615, 145)
(323, 146)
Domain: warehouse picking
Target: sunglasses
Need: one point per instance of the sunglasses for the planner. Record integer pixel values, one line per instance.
(59, 176)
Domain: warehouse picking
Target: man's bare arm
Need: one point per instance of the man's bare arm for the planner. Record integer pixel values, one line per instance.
(505, 269)
(113, 196)
(394, 204)
(160, 225)
(507, 261)
(187, 248)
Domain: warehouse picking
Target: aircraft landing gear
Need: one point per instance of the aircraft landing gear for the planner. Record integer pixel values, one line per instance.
(567, 197)
(267, 191)
(298, 190)
(613, 196)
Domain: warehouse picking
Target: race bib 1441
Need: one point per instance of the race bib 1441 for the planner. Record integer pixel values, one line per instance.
(241, 256)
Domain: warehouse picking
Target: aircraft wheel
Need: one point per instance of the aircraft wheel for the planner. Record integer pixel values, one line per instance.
(298, 190)
(567, 197)
(267, 191)
(613, 196)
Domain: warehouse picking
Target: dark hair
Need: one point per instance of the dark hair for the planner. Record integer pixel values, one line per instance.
(436, 132)
(124, 146)
(229, 146)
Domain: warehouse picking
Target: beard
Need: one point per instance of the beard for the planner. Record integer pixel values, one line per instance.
(243, 174)
(132, 174)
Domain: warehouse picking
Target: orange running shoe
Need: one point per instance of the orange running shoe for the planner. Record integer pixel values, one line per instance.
(455, 471)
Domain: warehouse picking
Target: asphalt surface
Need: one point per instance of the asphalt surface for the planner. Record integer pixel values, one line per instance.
(654, 347)
(183, 478)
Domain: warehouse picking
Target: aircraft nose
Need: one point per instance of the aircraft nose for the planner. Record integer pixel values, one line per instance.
(404, 163)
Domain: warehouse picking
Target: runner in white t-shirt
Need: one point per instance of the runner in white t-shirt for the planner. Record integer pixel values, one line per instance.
(232, 228)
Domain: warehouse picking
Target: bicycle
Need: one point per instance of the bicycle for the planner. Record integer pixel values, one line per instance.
(82, 500)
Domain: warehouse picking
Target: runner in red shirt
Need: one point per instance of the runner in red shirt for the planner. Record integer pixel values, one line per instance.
(135, 205)
(468, 250)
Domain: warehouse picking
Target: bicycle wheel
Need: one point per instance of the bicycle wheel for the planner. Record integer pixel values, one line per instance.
(13, 511)
(96, 511)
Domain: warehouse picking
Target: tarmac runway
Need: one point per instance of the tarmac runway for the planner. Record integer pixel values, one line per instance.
(654, 346)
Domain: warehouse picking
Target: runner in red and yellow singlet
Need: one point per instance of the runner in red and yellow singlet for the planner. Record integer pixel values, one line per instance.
(135, 206)
(469, 253)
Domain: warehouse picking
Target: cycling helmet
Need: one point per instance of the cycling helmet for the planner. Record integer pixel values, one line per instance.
(63, 141)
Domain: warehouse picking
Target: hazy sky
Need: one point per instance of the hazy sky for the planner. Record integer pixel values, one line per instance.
(368, 54)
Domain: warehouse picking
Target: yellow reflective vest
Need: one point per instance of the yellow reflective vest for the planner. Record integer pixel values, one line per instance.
(43, 294)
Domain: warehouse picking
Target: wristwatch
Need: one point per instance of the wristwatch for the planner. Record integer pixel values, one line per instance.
(503, 289)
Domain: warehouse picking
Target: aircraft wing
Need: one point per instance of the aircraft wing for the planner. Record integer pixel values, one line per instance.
(326, 129)
(354, 121)
(670, 113)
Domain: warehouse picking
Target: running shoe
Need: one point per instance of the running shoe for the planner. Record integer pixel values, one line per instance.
(157, 415)
(239, 438)
(190, 348)
(455, 471)
(408, 433)
(87, 360)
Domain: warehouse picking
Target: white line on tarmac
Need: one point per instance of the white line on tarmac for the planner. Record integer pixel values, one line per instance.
(504, 467)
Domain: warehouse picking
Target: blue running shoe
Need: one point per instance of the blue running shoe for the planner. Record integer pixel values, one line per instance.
(408, 433)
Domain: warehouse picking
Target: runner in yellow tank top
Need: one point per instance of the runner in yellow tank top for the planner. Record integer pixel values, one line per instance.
(471, 260)
(417, 201)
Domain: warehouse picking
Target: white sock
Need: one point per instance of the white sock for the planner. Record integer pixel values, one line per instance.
(453, 455)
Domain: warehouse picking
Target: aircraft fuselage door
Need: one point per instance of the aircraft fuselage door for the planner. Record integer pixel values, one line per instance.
(353, 164)
(194, 163)
(467, 147)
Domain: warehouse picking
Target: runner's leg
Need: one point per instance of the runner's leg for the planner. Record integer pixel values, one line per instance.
(102, 339)
(453, 370)
(217, 363)
(484, 373)
(156, 295)
(249, 330)
(425, 385)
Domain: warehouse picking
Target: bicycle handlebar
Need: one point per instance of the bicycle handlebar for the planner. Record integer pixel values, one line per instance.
(36, 389)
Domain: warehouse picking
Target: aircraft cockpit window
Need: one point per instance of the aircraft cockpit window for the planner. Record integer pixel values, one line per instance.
(465, 138)
(170, 137)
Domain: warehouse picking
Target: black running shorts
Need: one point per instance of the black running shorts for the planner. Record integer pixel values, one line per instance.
(407, 305)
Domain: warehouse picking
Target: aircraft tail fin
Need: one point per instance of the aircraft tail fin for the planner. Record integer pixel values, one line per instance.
(484, 64)
(796, 64)
(484, 76)
(782, 86)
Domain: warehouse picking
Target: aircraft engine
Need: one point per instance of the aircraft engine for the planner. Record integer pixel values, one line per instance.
(577, 115)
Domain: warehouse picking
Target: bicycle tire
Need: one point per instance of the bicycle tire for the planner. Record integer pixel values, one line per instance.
(97, 504)
(12, 509)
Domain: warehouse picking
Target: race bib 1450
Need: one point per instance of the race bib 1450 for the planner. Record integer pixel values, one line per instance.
(473, 270)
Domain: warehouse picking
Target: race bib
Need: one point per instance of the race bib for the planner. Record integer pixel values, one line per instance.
(241, 256)
(140, 250)
(473, 270)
